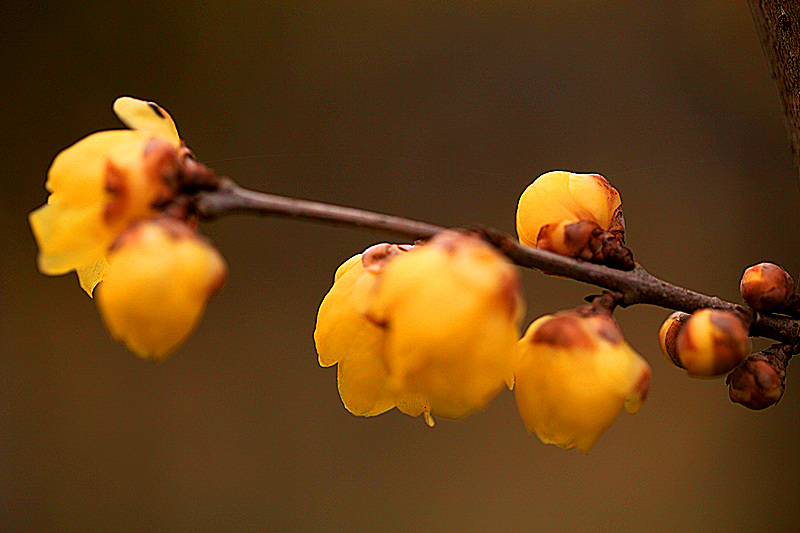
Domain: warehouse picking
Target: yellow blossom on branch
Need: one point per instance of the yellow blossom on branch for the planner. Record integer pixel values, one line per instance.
(431, 331)
(111, 216)
(160, 276)
(100, 185)
(574, 375)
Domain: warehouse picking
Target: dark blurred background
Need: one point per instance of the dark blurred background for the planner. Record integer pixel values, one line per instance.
(438, 111)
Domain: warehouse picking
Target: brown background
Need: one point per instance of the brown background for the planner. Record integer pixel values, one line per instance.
(438, 111)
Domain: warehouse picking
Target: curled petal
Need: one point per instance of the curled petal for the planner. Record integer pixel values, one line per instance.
(146, 116)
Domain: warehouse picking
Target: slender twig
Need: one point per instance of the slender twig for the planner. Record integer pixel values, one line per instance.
(635, 287)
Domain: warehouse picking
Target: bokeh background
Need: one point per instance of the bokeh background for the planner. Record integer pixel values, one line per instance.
(440, 111)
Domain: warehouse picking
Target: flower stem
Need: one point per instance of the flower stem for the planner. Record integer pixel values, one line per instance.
(636, 286)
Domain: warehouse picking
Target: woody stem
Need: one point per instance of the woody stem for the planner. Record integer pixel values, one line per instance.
(636, 286)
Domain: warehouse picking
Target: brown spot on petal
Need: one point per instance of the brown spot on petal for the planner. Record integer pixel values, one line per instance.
(607, 329)
(161, 170)
(376, 256)
(116, 186)
(563, 331)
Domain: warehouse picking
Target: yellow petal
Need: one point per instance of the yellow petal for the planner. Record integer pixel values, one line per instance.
(91, 275)
(77, 175)
(159, 279)
(345, 335)
(98, 187)
(69, 238)
(146, 116)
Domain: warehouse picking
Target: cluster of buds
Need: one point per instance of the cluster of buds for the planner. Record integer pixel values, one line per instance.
(577, 215)
(429, 329)
(760, 380)
(713, 342)
(111, 216)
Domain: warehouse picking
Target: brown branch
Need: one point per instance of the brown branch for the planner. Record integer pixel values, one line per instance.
(635, 287)
(778, 24)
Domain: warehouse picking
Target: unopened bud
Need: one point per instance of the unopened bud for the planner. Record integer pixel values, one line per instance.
(759, 381)
(712, 342)
(576, 215)
(766, 287)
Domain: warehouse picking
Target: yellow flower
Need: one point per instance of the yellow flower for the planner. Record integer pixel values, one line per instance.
(450, 311)
(568, 213)
(100, 185)
(160, 276)
(431, 331)
(574, 375)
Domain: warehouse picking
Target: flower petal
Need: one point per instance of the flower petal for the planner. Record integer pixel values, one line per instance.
(146, 116)
(93, 274)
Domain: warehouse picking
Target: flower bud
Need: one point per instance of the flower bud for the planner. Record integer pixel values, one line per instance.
(574, 375)
(766, 287)
(450, 311)
(758, 382)
(160, 276)
(577, 215)
(668, 336)
(346, 335)
(712, 342)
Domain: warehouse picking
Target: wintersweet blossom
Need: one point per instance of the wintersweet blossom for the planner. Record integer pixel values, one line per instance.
(574, 375)
(108, 217)
(432, 331)
(102, 184)
(566, 213)
(160, 276)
